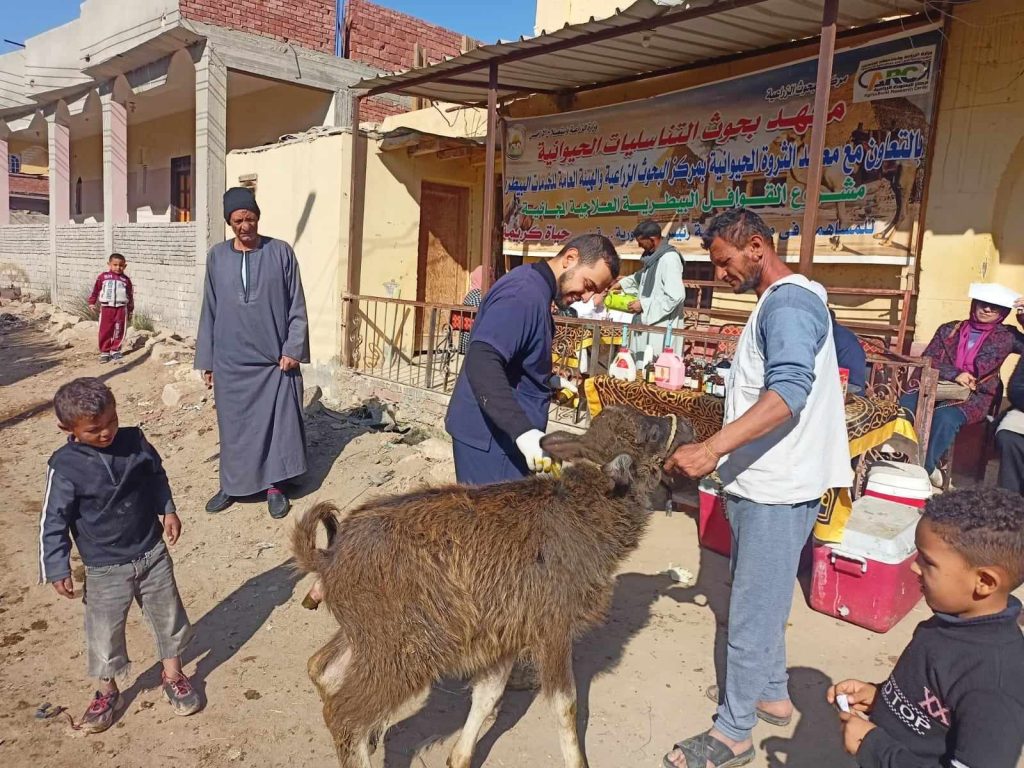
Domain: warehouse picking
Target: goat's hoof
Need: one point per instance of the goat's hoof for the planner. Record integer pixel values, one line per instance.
(310, 603)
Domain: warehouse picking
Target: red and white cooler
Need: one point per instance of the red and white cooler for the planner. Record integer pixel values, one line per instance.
(713, 529)
(866, 579)
(896, 481)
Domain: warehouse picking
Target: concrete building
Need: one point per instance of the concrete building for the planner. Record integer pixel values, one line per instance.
(127, 113)
(115, 128)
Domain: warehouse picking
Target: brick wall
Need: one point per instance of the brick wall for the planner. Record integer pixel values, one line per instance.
(385, 39)
(25, 258)
(27, 184)
(161, 264)
(308, 23)
(80, 258)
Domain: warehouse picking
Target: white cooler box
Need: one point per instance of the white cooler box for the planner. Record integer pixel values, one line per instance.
(902, 483)
(867, 580)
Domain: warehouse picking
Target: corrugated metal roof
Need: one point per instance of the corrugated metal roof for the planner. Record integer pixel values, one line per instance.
(649, 36)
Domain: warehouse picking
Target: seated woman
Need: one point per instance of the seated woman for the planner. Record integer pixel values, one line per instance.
(472, 299)
(1010, 437)
(969, 352)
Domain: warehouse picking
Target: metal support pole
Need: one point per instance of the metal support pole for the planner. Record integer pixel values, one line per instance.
(813, 193)
(487, 234)
(431, 345)
(357, 183)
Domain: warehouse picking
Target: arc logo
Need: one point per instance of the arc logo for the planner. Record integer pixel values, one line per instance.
(900, 74)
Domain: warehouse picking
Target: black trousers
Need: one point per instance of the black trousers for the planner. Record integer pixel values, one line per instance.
(1011, 460)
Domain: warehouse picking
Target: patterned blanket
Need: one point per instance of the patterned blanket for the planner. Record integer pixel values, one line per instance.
(870, 422)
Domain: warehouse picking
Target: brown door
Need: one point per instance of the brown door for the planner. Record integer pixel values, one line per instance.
(443, 271)
(181, 188)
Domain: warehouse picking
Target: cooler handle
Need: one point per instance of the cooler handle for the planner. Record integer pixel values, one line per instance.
(843, 562)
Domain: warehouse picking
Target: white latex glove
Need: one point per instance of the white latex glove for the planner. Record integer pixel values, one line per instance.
(558, 383)
(528, 444)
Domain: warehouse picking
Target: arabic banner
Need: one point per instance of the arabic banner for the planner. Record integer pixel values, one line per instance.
(682, 157)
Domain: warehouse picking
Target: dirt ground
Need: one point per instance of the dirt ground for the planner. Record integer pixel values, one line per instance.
(641, 677)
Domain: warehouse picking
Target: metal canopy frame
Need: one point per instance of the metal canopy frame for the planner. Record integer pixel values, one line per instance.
(466, 72)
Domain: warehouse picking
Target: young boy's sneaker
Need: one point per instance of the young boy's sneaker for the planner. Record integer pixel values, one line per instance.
(116, 355)
(181, 695)
(100, 714)
(104, 357)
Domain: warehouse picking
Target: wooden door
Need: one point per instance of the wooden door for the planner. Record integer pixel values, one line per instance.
(443, 271)
(181, 188)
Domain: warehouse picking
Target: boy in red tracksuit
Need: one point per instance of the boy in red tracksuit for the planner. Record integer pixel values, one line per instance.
(113, 291)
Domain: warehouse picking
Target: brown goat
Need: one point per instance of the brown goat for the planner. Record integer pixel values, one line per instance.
(462, 581)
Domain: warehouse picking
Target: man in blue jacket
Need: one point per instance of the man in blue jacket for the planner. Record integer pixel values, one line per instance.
(499, 409)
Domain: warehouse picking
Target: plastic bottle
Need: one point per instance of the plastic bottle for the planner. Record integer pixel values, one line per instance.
(669, 370)
(648, 357)
(623, 366)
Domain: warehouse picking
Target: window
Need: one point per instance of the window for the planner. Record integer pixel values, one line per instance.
(14, 164)
(78, 197)
(181, 188)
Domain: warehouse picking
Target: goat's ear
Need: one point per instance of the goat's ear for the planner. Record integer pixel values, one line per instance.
(620, 472)
(563, 446)
(684, 433)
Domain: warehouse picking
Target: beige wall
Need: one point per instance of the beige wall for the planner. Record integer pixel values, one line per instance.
(264, 116)
(87, 165)
(552, 14)
(975, 217)
(149, 182)
(253, 119)
(300, 186)
(391, 223)
(34, 157)
(462, 122)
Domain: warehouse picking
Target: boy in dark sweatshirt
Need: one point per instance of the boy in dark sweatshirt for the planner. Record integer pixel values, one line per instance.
(956, 696)
(108, 489)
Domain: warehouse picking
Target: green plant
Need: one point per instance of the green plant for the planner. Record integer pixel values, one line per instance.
(142, 322)
(81, 309)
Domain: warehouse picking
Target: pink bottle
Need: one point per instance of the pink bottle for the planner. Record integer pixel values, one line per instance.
(669, 370)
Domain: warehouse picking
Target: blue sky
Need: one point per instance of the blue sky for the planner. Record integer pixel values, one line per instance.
(21, 20)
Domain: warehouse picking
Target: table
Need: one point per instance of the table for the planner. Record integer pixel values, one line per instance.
(570, 340)
(870, 423)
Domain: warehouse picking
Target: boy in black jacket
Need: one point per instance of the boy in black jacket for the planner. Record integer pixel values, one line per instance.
(956, 696)
(108, 488)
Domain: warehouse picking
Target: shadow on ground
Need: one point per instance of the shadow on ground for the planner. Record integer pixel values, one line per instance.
(599, 652)
(225, 628)
(816, 740)
(328, 433)
(50, 358)
(26, 351)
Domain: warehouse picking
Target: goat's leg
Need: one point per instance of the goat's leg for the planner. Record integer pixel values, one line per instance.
(487, 689)
(559, 687)
(327, 667)
(353, 749)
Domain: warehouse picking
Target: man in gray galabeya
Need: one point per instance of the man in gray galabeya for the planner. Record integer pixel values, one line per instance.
(253, 334)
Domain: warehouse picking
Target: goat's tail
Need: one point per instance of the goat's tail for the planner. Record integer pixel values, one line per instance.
(308, 558)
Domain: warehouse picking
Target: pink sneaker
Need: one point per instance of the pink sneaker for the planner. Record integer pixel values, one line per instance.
(181, 694)
(100, 714)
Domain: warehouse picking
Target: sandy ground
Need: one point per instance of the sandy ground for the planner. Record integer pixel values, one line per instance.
(641, 677)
